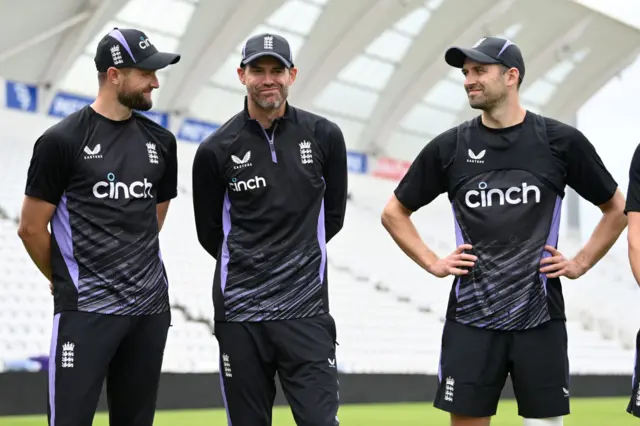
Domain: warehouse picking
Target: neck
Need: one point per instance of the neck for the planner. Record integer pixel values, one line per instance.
(506, 115)
(109, 107)
(265, 116)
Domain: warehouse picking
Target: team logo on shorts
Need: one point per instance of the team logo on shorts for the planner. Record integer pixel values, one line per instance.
(67, 355)
(226, 364)
(448, 389)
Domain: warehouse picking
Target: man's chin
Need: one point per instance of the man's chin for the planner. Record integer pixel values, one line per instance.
(271, 104)
(140, 106)
(478, 105)
(144, 107)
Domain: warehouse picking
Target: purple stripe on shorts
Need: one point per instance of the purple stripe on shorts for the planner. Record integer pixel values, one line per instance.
(52, 369)
(224, 394)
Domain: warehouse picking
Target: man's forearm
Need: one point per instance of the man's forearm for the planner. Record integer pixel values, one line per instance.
(602, 239)
(38, 246)
(405, 234)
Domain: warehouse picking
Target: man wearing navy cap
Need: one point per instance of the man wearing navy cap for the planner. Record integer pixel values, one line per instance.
(269, 193)
(103, 178)
(505, 173)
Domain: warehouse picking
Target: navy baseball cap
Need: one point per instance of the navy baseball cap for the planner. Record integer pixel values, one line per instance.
(130, 48)
(267, 45)
(488, 50)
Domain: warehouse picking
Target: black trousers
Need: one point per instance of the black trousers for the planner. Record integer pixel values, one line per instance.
(301, 351)
(634, 402)
(87, 348)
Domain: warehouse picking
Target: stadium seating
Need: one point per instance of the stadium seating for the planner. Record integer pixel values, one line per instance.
(389, 313)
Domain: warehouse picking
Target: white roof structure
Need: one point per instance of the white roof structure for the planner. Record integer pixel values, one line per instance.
(376, 67)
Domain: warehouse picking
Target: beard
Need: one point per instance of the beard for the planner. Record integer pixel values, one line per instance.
(134, 100)
(272, 101)
(487, 101)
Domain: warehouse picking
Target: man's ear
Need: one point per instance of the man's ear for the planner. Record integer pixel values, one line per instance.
(241, 75)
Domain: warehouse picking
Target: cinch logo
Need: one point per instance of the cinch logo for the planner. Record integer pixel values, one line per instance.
(513, 195)
(116, 190)
(254, 183)
(144, 43)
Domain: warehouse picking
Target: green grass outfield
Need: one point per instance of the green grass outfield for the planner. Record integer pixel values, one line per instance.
(585, 412)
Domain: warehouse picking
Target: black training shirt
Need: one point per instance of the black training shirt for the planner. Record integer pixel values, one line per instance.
(506, 188)
(266, 203)
(105, 178)
(633, 191)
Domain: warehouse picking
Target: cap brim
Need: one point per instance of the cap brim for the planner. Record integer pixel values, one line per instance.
(158, 61)
(456, 56)
(272, 54)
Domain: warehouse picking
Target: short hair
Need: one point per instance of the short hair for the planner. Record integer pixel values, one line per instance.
(102, 78)
(505, 69)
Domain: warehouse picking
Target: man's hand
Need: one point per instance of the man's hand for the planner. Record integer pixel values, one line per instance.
(559, 266)
(453, 264)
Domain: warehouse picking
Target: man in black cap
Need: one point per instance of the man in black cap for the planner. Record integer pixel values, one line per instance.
(269, 192)
(505, 173)
(103, 178)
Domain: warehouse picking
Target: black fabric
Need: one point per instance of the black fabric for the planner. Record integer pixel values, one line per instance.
(633, 190)
(488, 50)
(106, 178)
(506, 188)
(633, 407)
(265, 206)
(475, 363)
(126, 351)
(130, 48)
(303, 354)
(267, 44)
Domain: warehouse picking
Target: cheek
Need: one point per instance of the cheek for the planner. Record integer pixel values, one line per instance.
(252, 82)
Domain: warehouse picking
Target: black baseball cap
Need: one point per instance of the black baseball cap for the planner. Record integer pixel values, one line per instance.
(267, 45)
(488, 50)
(129, 48)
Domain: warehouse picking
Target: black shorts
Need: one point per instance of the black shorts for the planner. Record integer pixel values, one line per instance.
(87, 348)
(301, 351)
(634, 402)
(475, 362)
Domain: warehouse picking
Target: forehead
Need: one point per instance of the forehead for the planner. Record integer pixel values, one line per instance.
(136, 72)
(266, 62)
(471, 64)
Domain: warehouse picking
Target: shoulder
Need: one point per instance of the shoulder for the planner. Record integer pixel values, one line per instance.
(559, 132)
(223, 136)
(68, 133)
(317, 124)
(447, 138)
(162, 135)
(443, 145)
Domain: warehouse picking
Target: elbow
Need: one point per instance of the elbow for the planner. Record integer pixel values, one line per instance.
(26, 232)
(387, 217)
(393, 214)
